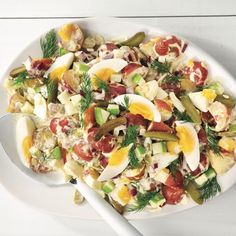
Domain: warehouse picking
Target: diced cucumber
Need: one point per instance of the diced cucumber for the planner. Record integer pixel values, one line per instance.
(62, 51)
(138, 79)
(210, 173)
(80, 67)
(140, 151)
(108, 187)
(157, 201)
(113, 109)
(217, 87)
(56, 153)
(159, 147)
(101, 115)
(203, 178)
(232, 127)
(116, 78)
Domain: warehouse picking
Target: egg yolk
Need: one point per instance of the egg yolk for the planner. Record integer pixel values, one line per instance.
(186, 139)
(66, 31)
(26, 145)
(172, 146)
(105, 74)
(118, 156)
(141, 109)
(209, 94)
(58, 72)
(124, 194)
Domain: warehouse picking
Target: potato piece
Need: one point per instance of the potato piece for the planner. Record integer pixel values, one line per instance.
(72, 80)
(221, 164)
(16, 102)
(78, 198)
(71, 36)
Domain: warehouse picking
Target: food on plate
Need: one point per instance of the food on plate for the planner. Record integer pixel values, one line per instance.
(138, 121)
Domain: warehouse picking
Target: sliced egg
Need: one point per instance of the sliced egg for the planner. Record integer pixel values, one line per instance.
(105, 68)
(163, 160)
(121, 194)
(25, 128)
(40, 106)
(189, 143)
(117, 162)
(203, 99)
(60, 65)
(140, 105)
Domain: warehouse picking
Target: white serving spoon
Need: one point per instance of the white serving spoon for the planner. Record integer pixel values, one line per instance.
(106, 211)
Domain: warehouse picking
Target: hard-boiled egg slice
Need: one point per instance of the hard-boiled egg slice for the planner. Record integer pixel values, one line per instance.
(121, 194)
(189, 143)
(40, 106)
(203, 99)
(60, 65)
(105, 68)
(140, 105)
(117, 162)
(163, 159)
(24, 134)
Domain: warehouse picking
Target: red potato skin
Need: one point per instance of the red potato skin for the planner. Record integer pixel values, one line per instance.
(83, 151)
(159, 126)
(130, 68)
(172, 195)
(136, 119)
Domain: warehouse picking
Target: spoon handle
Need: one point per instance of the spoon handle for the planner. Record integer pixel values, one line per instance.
(106, 211)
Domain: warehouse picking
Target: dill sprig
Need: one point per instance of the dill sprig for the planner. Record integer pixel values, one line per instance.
(130, 136)
(49, 44)
(142, 201)
(212, 139)
(86, 90)
(162, 68)
(133, 159)
(182, 115)
(20, 79)
(126, 103)
(210, 189)
(101, 84)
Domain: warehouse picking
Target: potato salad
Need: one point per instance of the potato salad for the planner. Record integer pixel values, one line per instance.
(137, 120)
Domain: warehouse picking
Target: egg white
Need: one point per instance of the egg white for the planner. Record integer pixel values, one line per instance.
(115, 64)
(199, 101)
(112, 171)
(163, 160)
(193, 157)
(65, 60)
(140, 99)
(25, 127)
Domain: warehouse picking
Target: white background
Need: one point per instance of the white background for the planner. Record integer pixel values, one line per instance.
(210, 24)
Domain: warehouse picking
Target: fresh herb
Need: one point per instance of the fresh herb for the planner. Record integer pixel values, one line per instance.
(52, 89)
(174, 167)
(142, 201)
(173, 79)
(49, 44)
(20, 79)
(210, 189)
(133, 159)
(130, 136)
(182, 115)
(126, 103)
(212, 139)
(101, 84)
(162, 68)
(86, 90)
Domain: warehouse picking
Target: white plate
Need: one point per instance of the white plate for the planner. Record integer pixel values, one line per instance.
(59, 200)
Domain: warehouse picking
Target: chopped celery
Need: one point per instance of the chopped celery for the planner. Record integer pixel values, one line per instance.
(108, 187)
(101, 115)
(113, 109)
(56, 153)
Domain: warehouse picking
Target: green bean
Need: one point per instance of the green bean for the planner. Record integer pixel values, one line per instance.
(194, 192)
(15, 72)
(227, 101)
